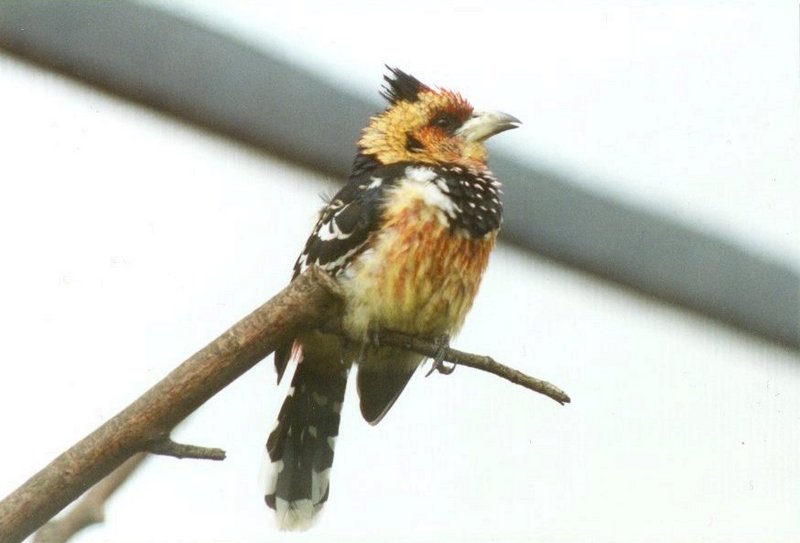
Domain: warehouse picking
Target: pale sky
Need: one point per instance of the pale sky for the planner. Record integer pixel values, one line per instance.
(690, 108)
(131, 240)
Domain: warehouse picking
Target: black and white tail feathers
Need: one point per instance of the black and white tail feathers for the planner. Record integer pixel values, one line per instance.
(300, 447)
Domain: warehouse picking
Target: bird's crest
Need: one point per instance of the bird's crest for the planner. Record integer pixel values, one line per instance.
(401, 86)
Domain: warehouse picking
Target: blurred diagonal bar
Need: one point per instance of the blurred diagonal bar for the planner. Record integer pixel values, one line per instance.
(197, 74)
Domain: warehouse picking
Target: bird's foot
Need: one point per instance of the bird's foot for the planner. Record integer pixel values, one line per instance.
(374, 337)
(371, 340)
(437, 364)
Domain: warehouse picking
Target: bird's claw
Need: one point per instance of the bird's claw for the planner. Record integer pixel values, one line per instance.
(437, 364)
(371, 340)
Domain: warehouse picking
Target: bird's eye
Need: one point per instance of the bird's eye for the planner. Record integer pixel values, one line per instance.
(446, 122)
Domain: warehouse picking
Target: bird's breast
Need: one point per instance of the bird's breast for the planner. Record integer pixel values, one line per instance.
(419, 274)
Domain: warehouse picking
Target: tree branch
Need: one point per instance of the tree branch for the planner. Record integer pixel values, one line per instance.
(311, 301)
(304, 303)
(91, 509)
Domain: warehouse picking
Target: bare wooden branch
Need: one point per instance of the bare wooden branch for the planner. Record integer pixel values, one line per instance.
(479, 362)
(91, 508)
(167, 447)
(308, 302)
(305, 303)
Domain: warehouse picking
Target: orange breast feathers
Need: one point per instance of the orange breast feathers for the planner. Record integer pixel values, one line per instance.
(418, 276)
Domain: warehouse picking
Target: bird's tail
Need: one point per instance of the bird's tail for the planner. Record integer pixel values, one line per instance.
(300, 447)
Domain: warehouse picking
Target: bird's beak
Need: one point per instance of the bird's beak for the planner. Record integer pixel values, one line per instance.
(485, 124)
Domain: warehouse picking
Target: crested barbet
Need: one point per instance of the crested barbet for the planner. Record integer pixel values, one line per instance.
(407, 239)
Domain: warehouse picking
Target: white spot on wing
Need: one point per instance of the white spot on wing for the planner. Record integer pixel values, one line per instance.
(342, 260)
(331, 231)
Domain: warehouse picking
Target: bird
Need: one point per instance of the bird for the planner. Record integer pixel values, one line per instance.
(407, 239)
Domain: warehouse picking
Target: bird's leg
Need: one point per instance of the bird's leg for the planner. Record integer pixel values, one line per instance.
(437, 364)
(371, 339)
(375, 337)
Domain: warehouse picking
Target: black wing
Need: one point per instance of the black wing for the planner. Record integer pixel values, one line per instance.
(343, 229)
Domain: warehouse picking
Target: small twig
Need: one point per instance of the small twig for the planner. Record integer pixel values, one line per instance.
(431, 349)
(167, 447)
(484, 363)
(90, 509)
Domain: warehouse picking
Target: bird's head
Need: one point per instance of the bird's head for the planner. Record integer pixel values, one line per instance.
(429, 126)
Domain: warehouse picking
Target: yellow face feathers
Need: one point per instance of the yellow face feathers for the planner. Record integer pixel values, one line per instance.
(423, 131)
(423, 125)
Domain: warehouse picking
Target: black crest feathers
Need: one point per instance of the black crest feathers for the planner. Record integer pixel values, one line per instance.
(401, 86)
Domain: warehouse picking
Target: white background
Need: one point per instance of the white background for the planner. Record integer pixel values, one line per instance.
(131, 240)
